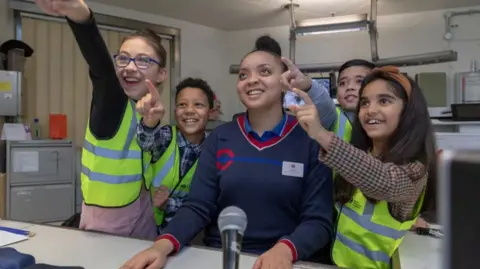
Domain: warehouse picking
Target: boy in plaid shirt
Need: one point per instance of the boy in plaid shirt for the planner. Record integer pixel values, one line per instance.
(194, 103)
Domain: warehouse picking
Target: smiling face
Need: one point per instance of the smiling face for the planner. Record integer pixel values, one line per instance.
(349, 83)
(131, 77)
(192, 111)
(380, 110)
(259, 83)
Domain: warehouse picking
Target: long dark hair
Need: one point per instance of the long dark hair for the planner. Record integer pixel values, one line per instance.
(413, 140)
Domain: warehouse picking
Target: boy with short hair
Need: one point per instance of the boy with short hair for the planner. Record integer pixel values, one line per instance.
(350, 77)
(175, 149)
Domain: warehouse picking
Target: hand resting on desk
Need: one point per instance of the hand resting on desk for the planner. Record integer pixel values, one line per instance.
(278, 257)
(420, 223)
(154, 257)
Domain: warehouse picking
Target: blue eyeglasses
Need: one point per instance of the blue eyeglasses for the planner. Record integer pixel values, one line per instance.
(141, 61)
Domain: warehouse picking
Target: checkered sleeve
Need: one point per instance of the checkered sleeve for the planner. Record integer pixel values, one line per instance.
(376, 179)
(171, 207)
(154, 140)
(174, 203)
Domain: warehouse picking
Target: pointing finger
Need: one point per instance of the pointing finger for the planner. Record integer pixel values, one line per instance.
(290, 65)
(139, 105)
(156, 111)
(148, 103)
(285, 83)
(304, 96)
(152, 90)
(293, 109)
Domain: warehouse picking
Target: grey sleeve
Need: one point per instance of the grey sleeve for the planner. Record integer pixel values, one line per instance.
(325, 105)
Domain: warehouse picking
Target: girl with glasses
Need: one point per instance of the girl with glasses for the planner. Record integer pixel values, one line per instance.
(115, 191)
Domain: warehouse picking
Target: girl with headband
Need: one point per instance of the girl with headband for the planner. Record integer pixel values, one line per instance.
(385, 176)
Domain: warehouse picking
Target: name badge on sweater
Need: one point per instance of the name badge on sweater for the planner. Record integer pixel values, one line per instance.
(292, 169)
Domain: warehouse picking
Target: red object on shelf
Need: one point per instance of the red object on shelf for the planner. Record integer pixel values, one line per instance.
(58, 126)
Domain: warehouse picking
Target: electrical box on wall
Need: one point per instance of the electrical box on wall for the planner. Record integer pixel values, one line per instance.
(10, 93)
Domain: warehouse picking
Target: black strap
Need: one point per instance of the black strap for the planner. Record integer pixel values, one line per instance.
(176, 186)
(179, 172)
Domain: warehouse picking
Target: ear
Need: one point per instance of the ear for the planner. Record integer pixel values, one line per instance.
(162, 75)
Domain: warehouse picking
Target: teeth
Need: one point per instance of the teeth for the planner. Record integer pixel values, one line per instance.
(373, 121)
(190, 120)
(254, 92)
(131, 79)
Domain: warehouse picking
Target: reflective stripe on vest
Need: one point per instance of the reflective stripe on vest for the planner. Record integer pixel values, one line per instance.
(367, 235)
(343, 128)
(112, 169)
(166, 173)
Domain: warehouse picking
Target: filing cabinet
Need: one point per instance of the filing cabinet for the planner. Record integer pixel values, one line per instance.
(40, 180)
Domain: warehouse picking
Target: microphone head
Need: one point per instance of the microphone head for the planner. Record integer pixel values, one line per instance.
(232, 218)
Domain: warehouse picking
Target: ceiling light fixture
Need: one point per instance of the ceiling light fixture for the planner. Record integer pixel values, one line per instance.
(349, 24)
(333, 31)
(335, 24)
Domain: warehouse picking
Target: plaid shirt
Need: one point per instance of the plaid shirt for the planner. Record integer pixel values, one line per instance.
(156, 140)
(399, 185)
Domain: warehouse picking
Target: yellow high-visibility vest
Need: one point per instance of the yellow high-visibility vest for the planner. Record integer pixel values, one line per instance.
(342, 128)
(112, 170)
(367, 236)
(166, 172)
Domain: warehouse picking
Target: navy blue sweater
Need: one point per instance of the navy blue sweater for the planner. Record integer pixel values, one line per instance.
(236, 169)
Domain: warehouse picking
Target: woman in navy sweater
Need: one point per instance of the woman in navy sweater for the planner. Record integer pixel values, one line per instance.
(264, 163)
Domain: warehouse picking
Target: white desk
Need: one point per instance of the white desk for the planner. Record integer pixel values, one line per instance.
(421, 252)
(15, 224)
(68, 247)
(472, 127)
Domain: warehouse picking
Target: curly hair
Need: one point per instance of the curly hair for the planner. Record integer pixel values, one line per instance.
(199, 84)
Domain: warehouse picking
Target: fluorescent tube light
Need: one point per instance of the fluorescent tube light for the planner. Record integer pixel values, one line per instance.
(331, 25)
(334, 31)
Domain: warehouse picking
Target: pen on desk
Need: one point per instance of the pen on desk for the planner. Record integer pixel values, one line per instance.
(430, 232)
(16, 231)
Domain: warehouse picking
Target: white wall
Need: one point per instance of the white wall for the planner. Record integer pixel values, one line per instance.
(399, 35)
(207, 52)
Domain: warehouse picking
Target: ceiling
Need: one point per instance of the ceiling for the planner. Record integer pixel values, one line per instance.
(248, 14)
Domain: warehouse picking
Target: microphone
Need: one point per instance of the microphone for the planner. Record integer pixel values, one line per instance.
(232, 223)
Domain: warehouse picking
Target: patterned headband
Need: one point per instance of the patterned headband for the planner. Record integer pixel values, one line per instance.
(394, 72)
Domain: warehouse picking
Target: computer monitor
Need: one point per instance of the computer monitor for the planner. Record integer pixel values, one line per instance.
(459, 183)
